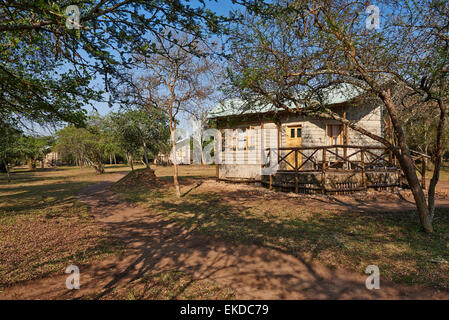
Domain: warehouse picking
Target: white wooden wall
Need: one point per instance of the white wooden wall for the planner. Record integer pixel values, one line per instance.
(313, 134)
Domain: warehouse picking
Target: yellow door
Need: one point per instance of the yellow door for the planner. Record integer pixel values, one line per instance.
(294, 139)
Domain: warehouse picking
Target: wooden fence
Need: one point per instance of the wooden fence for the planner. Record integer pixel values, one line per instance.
(339, 158)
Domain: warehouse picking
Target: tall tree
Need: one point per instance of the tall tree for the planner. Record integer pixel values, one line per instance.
(49, 50)
(137, 129)
(85, 145)
(309, 46)
(9, 135)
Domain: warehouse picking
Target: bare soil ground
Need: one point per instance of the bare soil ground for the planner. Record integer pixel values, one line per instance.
(200, 238)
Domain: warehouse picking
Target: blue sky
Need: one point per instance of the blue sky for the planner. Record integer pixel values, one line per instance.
(221, 7)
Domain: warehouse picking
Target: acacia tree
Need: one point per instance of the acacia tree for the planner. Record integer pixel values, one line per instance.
(138, 130)
(85, 145)
(174, 78)
(49, 50)
(9, 136)
(311, 46)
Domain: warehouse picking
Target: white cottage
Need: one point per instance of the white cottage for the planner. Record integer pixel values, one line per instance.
(280, 148)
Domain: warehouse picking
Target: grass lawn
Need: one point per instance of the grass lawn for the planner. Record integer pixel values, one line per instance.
(43, 229)
(42, 226)
(346, 239)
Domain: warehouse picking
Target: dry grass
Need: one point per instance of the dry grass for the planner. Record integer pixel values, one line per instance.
(352, 240)
(170, 285)
(42, 226)
(185, 172)
(43, 229)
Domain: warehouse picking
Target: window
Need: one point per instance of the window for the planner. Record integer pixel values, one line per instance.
(251, 139)
(223, 140)
(335, 133)
(295, 131)
(234, 140)
(242, 139)
(242, 136)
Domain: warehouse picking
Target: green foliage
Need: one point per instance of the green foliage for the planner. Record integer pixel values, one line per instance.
(16, 147)
(83, 146)
(46, 68)
(8, 148)
(136, 130)
(33, 148)
(421, 131)
(122, 133)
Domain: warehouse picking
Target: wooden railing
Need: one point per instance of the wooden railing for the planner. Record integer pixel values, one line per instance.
(336, 157)
(340, 158)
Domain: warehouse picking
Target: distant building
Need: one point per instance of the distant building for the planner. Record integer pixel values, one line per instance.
(52, 159)
(183, 154)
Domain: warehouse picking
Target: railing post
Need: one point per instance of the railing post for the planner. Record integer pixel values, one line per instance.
(345, 142)
(296, 160)
(323, 171)
(362, 159)
(296, 172)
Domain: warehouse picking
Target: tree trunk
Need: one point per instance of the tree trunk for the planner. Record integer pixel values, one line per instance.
(115, 159)
(31, 164)
(407, 165)
(437, 159)
(99, 168)
(145, 154)
(7, 171)
(203, 158)
(175, 165)
(130, 161)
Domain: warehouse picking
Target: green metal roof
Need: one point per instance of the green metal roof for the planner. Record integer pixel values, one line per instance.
(231, 107)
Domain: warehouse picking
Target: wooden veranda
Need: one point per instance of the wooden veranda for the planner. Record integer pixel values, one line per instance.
(336, 168)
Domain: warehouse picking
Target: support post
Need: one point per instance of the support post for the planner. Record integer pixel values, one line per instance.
(296, 172)
(296, 182)
(345, 142)
(362, 159)
(296, 160)
(323, 171)
(217, 172)
(271, 182)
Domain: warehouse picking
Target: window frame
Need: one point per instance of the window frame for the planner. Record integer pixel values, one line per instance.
(330, 129)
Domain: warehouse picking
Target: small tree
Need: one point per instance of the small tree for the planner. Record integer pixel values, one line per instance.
(136, 129)
(9, 136)
(175, 78)
(85, 145)
(34, 149)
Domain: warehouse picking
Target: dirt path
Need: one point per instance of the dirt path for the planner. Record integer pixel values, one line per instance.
(155, 244)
